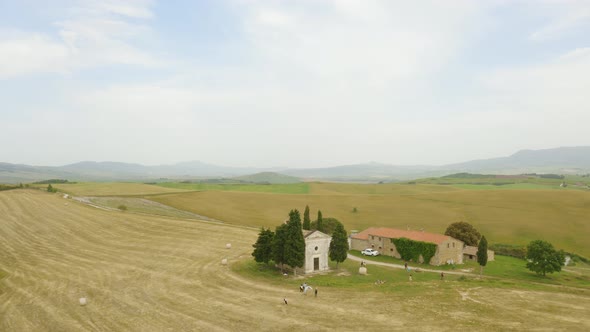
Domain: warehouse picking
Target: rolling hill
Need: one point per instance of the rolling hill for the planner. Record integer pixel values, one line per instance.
(564, 160)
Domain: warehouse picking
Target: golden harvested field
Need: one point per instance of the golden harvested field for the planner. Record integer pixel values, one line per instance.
(144, 273)
(503, 216)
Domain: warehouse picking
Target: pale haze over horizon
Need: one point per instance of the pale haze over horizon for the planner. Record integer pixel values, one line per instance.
(291, 83)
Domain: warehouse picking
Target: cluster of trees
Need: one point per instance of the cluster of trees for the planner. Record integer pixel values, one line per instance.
(541, 256)
(286, 245)
(465, 232)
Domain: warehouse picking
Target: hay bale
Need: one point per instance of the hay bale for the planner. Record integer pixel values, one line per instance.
(228, 245)
(224, 261)
(82, 301)
(363, 270)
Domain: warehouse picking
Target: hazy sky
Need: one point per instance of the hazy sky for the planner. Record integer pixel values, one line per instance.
(291, 83)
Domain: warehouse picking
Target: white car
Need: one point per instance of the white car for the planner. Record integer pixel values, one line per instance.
(370, 252)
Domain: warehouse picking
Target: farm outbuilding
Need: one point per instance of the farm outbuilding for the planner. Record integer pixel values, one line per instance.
(317, 246)
(470, 254)
(449, 250)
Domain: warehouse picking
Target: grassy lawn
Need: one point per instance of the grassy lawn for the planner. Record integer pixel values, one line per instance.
(397, 280)
(503, 267)
(292, 188)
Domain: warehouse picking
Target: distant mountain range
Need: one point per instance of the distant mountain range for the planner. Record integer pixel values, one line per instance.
(564, 160)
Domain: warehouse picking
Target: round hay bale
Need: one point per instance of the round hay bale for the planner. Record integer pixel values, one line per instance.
(82, 301)
(224, 261)
(363, 270)
(228, 245)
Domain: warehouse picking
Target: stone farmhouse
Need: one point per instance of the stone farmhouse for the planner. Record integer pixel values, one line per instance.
(449, 250)
(317, 246)
(470, 254)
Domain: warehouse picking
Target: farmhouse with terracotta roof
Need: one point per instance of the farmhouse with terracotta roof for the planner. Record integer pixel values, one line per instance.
(448, 249)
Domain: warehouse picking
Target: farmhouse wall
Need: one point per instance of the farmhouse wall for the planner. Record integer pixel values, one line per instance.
(448, 251)
(358, 244)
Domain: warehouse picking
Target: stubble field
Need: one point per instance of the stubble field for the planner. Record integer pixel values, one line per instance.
(147, 273)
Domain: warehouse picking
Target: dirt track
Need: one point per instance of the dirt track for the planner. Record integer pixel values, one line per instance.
(144, 273)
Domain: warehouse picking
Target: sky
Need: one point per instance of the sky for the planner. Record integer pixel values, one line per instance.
(307, 83)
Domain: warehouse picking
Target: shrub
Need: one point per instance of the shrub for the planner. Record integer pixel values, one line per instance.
(122, 207)
(509, 250)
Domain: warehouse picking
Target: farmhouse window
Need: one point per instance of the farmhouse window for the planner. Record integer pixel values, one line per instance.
(390, 249)
(316, 248)
(453, 244)
(372, 237)
(448, 245)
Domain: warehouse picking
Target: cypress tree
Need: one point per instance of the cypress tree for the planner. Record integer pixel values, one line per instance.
(278, 245)
(306, 219)
(320, 222)
(482, 254)
(263, 246)
(294, 243)
(339, 244)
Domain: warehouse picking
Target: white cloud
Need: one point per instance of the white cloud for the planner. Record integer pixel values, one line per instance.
(91, 36)
(564, 17)
(375, 42)
(25, 54)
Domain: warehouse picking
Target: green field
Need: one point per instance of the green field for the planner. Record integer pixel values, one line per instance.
(478, 182)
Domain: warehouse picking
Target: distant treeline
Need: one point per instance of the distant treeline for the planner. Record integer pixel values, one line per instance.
(50, 181)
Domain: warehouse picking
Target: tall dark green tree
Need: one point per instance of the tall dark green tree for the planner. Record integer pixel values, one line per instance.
(465, 232)
(306, 219)
(482, 254)
(263, 246)
(278, 245)
(294, 243)
(320, 222)
(543, 258)
(339, 244)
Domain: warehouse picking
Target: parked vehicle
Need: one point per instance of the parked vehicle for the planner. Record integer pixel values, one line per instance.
(370, 252)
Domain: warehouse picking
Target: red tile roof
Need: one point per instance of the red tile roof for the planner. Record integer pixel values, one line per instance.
(392, 233)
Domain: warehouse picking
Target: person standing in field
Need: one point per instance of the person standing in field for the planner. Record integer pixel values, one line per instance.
(315, 292)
